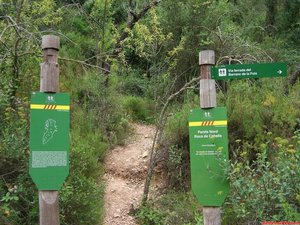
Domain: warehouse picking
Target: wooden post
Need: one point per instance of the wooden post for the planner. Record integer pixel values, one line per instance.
(211, 215)
(48, 200)
(207, 85)
(49, 68)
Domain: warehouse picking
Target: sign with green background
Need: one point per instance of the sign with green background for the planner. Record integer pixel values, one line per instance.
(237, 71)
(49, 139)
(208, 153)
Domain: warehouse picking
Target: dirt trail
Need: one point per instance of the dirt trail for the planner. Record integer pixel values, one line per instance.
(126, 168)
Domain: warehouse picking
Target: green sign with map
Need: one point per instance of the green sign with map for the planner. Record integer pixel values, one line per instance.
(49, 139)
(237, 71)
(208, 153)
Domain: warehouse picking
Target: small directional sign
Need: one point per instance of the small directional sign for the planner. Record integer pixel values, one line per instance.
(208, 152)
(237, 71)
(49, 139)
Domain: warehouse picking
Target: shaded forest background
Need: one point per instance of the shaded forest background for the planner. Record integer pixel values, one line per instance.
(121, 61)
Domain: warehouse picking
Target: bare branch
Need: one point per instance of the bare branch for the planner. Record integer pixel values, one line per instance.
(29, 53)
(83, 63)
(4, 30)
(15, 25)
(229, 59)
(131, 23)
(6, 46)
(158, 135)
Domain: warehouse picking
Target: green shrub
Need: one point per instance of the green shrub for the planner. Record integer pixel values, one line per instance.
(87, 153)
(102, 108)
(137, 108)
(267, 189)
(256, 106)
(81, 201)
(172, 208)
(149, 216)
(18, 195)
(133, 85)
(176, 142)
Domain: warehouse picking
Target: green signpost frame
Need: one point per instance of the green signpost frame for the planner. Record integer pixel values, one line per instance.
(49, 139)
(238, 71)
(208, 154)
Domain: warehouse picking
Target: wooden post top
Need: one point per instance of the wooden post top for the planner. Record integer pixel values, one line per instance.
(49, 68)
(50, 42)
(208, 97)
(207, 57)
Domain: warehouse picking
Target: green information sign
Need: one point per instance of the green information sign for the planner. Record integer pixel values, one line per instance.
(208, 152)
(236, 71)
(49, 139)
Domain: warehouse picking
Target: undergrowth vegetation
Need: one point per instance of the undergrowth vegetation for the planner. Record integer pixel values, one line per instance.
(173, 208)
(121, 61)
(266, 189)
(264, 156)
(92, 133)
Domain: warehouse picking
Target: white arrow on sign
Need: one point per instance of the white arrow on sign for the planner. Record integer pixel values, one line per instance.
(279, 72)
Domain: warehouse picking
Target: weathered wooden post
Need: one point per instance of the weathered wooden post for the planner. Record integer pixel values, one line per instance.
(49, 134)
(211, 215)
(207, 85)
(48, 200)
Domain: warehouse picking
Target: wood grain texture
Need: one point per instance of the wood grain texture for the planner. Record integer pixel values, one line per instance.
(208, 98)
(49, 77)
(212, 216)
(49, 207)
(49, 68)
(207, 86)
(207, 57)
(50, 41)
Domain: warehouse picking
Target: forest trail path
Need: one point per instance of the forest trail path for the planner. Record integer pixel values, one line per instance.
(126, 168)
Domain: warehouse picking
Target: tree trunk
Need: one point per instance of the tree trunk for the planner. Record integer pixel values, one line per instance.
(157, 138)
(271, 16)
(133, 18)
(294, 77)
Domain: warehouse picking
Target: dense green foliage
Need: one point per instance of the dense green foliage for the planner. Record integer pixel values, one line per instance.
(178, 208)
(264, 155)
(121, 66)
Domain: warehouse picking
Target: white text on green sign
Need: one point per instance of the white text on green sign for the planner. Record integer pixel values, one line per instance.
(238, 71)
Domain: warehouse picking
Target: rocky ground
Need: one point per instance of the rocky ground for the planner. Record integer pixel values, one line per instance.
(126, 168)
